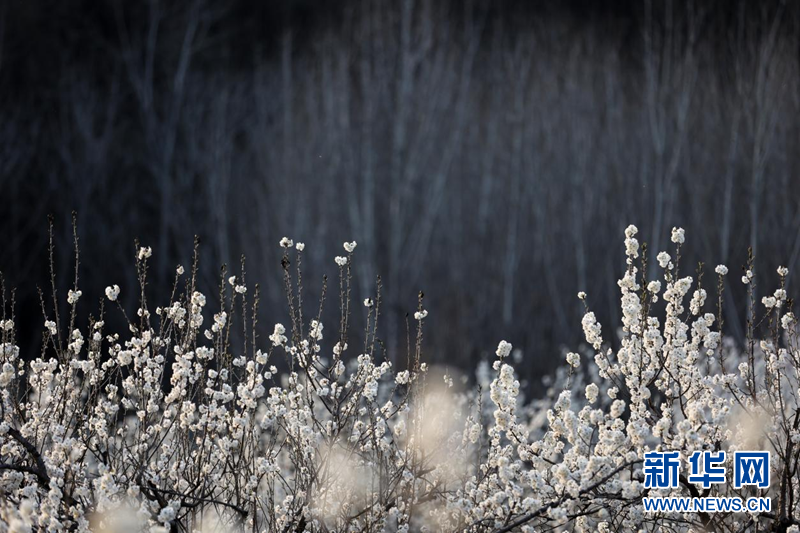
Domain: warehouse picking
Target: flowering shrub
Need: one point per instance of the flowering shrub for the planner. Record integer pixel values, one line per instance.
(169, 427)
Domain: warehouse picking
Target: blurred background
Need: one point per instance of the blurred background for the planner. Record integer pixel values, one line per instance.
(489, 153)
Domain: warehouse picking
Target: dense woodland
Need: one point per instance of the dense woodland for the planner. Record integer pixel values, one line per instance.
(489, 154)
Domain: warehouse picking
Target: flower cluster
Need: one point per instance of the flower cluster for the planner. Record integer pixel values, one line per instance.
(166, 426)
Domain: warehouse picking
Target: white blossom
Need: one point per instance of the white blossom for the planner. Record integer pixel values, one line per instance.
(73, 296)
(592, 392)
(631, 244)
(503, 349)
(678, 235)
(278, 338)
(112, 292)
(573, 359)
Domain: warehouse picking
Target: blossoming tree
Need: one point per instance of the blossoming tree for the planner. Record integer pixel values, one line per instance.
(168, 426)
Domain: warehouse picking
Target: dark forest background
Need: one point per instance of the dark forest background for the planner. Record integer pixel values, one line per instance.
(488, 153)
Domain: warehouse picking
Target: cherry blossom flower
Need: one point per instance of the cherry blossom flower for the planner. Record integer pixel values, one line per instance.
(112, 293)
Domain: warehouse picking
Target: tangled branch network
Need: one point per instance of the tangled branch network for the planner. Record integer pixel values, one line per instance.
(190, 422)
